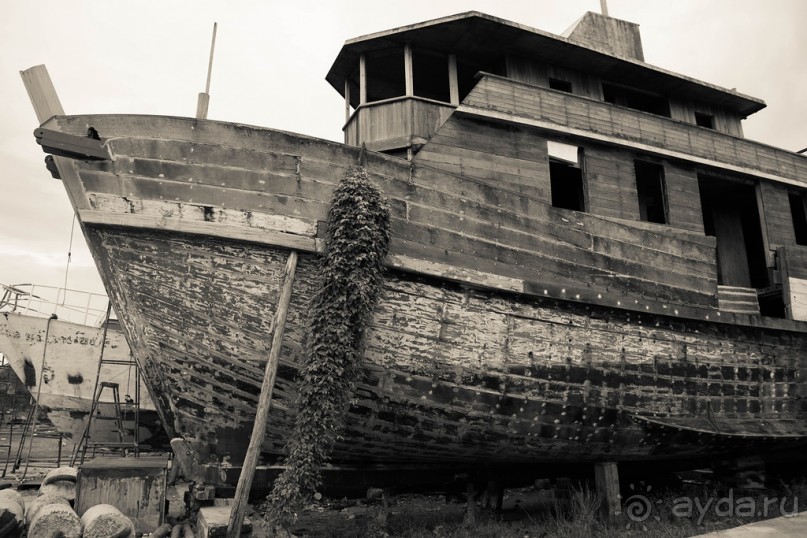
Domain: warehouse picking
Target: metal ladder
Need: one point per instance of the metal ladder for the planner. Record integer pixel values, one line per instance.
(122, 444)
(133, 444)
(8, 400)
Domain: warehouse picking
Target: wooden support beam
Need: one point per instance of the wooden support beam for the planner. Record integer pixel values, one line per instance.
(183, 460)
(606, 478)
(204, 97)
(470, 506)
(347, 99)
(239, 507)
(72, 146)
(362, 79)
(408, 74)
(201, 106)
(494, 496)
(383, 514)
(46, 105)
(41, 93)
(453, 84)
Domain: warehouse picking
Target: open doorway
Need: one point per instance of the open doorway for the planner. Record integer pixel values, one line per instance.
(731, 215)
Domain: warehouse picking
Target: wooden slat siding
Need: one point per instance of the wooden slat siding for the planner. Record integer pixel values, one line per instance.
(497, 93)
(511, 169)
(611, 183)
(777, 214)
(796, 261)
(537, 73)
(565, 243)
(395, 119)
(569, 227)
(138, 187)
(724, 121)
(436, 384)
(332, 171)
(578, 282)
(792, 263)
(797, 300)
(426, 120)
(479, 135)
(492, 154)
(683, 197)
(527, 70)
(430, 187)
(499, 205)
(221, 155)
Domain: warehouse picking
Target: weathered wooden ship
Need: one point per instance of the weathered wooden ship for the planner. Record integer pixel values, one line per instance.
(589, 261)
(58, 362)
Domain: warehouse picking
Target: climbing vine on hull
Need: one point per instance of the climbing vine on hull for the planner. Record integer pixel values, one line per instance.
(350, 278)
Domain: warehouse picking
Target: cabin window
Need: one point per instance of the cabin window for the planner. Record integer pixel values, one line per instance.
(566, 176)
(560, 85)
(385, 74)
(652, 192)
(636, 99)
(799, 216)
(430, 74)
(705, 120)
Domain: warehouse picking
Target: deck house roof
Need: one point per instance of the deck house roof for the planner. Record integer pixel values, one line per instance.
(487, 38)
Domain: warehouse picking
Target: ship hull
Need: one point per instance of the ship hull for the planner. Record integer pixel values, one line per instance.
(61, 376)
(452, 375)
(562, 349)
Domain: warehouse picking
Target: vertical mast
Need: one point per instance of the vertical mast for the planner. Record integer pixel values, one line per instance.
(204, 98)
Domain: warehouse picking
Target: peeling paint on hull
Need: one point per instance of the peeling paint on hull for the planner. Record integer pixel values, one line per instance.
(452, 375)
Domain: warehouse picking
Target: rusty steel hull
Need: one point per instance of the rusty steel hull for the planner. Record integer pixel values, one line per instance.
(67, 367)
(478, 351)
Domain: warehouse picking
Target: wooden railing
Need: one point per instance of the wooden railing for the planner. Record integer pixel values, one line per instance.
(396, 123)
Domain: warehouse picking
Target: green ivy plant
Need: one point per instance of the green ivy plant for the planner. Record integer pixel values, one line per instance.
(350, 279)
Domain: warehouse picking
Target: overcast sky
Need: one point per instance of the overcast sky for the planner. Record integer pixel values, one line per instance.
(151, 57)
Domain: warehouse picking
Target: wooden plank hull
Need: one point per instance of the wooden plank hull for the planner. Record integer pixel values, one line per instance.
(70, 362)
(452, 375)
(571, 338)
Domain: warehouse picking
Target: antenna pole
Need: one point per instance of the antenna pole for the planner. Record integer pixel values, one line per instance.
(204, 98)
(603, 8)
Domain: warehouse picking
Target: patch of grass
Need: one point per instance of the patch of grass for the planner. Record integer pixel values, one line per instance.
(534, 516)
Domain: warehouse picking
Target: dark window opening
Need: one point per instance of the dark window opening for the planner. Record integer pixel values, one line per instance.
(731, 215)
(430, 74)
(772, 304)
(652, 193)
(566, 176)
(705, 120)
(466, 74)
(385, 74)
(560, 85)
(799, 216)
(636, 99)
